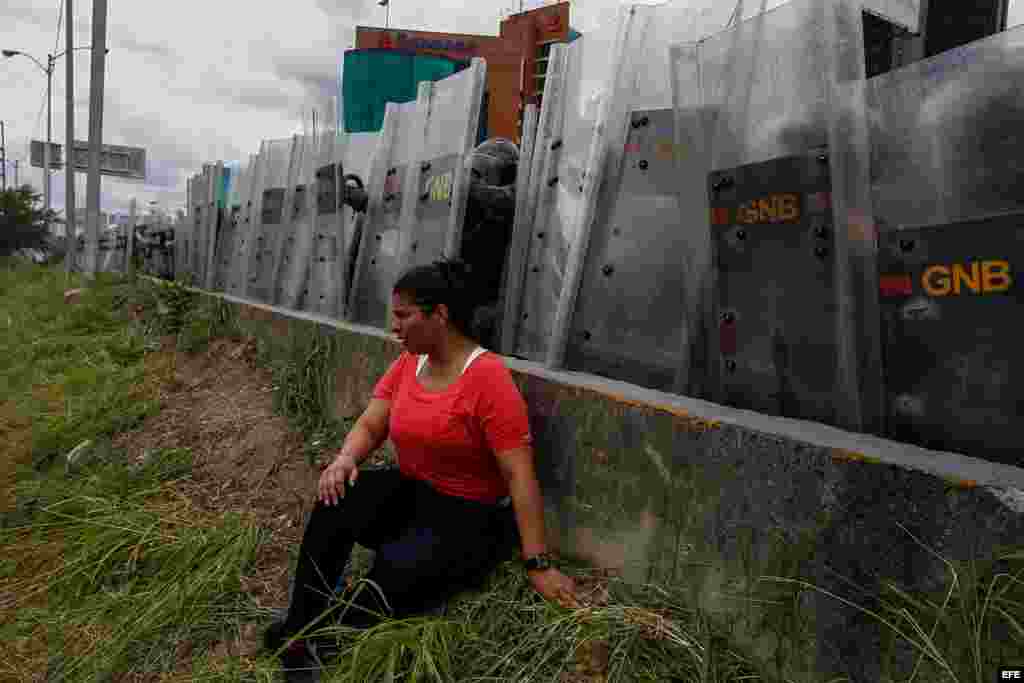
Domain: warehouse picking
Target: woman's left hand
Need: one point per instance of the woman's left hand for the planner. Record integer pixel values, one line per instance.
(555, 586)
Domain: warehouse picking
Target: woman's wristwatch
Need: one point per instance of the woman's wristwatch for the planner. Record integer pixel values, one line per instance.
(538, 562)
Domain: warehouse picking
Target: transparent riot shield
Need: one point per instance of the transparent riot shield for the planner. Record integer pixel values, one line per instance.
(183, 232)
(279, 160)
(198, 234)
(244, 230)
(357, 163)
(572, 94)
(226, 237)
(214, 221)
(434, 204)
(323, 254)
(201, 243)
(194, 233)
(296, 213)
(795, 323)
(945, 141)
(297, 238)
(635, 255)
(377, 264)
(520, 241)
(359, 151)
(179, 230)
(947, 181)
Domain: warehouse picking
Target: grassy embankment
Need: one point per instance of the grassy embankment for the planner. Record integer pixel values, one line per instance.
(103, 563)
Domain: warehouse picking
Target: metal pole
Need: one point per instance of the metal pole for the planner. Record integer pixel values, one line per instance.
(130, 245)
(46, 150)
(69, 136)
(15, 173)
(387, 20)
(92, 188)
(3, 154)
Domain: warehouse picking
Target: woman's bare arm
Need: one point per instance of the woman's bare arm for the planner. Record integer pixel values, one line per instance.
(517, 468)
(369, 432)
(367, 435)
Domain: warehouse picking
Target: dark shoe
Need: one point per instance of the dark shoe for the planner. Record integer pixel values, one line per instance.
(298, 660)
(275, 636)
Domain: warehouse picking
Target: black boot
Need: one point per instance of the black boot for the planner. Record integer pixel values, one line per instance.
(298, 659)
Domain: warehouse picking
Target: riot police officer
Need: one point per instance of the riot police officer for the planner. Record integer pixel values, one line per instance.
(487, 231)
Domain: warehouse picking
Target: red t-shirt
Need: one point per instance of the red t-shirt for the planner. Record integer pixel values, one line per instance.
(449, 438)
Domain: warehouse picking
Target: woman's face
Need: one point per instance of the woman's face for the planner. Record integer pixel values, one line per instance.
(418, 331)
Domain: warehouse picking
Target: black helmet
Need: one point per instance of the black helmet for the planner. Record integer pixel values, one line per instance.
(494, 163)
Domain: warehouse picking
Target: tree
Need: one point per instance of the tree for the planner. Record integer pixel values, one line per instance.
(22, 222)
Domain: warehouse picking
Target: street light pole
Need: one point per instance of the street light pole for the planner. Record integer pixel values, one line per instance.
(69, 140)
(69, 143)
(3, 155)
(49, 138)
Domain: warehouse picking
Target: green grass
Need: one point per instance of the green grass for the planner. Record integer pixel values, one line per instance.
(103, 565)
(139, 570)
(77, 371)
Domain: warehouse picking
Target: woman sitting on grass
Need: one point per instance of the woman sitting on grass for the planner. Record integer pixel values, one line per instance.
(439, 522)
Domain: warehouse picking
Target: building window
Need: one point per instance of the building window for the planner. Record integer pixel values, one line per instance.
(540, 69)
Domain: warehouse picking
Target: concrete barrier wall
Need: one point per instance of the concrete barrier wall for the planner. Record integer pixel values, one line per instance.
(712, 500)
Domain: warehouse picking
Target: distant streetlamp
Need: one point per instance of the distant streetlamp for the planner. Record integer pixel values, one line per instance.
(387, 20)
(48, 70)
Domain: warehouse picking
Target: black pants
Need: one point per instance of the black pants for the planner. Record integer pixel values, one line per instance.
(428, 546)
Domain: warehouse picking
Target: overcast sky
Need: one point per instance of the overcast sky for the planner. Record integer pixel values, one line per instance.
(193, 81)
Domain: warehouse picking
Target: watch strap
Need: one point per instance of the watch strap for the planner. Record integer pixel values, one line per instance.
(537, 562)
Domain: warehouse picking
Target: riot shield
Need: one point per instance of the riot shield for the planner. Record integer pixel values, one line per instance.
(225, 250)
(636, 255)
(324, 251)
(577, 76)
(436, 185)
(520, 241)
(376, 263)
(244, 230)
(213, 225)
(357, 162)
(201, 202)
(946, 184)
(292, 264)
(795, 323)
(279, 158)
(194, 234)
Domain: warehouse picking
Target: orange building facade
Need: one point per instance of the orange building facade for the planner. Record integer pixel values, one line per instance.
(516, 58)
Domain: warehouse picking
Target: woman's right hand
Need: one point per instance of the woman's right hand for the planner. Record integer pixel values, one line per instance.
(343, 470)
